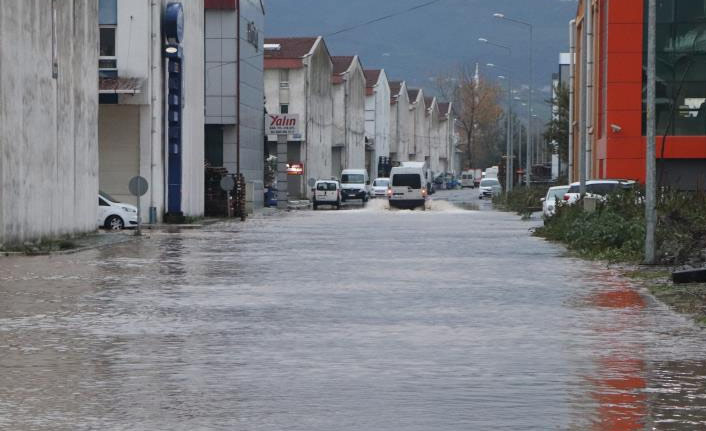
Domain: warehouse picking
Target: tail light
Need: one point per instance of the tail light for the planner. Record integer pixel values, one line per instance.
(567, 197)
(389, 192)
(424, 191)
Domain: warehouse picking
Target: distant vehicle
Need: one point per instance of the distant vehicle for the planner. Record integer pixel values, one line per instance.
(491, 172)
(380, 186)
(489, 187)
(327, 192)
(355, 184)
(407, 188)
(114, 215)
(468, 179)
(596, 188)
(549, 202)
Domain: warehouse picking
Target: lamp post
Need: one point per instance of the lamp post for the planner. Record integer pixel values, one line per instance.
(509, 163)
(531, 72)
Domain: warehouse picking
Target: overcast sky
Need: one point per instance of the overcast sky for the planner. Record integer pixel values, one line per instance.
(418, 45)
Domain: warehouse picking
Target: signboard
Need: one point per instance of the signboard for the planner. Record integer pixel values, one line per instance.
(138, 186)
(281, 124)
(295, 168)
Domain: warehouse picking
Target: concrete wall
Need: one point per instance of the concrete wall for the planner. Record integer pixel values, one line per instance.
(354, 83)
(48, 124)
(400, 118)
(319, 115)
(378, 120)
(192, 200)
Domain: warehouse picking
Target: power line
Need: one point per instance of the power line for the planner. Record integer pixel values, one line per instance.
(384, 17)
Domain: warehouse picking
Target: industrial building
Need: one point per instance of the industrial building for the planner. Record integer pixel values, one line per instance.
(615, 115)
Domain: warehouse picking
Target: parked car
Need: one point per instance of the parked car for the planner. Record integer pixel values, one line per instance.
(380, 186)
(327, 192)
(549, 202)
(355, 184)
(596, 188)
(112, 214)
(489, 187)
(407, 188)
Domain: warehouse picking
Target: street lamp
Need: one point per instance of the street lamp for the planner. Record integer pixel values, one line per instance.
(509, 161)
(531, 72)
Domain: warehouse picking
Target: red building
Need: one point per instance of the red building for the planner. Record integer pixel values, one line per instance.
(616, 121)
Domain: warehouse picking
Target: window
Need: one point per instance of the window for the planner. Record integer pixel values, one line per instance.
(102, 203)
(407, 180)
(681, 68)
(108, 21)
(284, 78)
(352, 179)
(284, 108)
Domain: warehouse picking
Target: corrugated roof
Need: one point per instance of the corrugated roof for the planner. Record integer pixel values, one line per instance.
(341, 63)
(395, 87)
(290, 47)
(428, 101)
(372, 77)
(412, 93)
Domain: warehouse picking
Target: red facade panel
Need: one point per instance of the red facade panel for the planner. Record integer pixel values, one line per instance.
(625, 67)
(219, 4)
(622, 11)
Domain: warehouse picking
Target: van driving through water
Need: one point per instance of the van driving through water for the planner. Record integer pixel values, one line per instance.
(408, 188)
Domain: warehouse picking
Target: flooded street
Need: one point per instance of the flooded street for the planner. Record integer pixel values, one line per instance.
(365, 319)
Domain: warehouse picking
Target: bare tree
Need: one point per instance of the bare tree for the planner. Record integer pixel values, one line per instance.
(477, 110)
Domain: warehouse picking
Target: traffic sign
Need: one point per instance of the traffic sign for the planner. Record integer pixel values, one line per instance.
(138, 186)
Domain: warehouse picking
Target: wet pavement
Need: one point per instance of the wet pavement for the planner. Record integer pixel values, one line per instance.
(366, 319)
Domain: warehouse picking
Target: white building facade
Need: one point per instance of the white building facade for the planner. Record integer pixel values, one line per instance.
(377, 117)
(400, 119)
(134, 89)
(298, 81)
(348, 143)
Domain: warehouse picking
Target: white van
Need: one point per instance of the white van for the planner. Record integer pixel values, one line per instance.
(407, 188)
(468, 179)
(355, 184)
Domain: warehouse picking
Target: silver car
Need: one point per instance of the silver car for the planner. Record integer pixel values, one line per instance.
(489, 187)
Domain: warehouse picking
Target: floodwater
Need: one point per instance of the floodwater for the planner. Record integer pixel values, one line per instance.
(364, 319)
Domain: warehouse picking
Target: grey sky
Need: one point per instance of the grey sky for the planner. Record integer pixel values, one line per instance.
(419, 45)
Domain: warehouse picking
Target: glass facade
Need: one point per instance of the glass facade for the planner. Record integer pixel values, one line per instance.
(108, 12)
(681, 67)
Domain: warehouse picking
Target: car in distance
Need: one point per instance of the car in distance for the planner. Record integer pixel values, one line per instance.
(114, 215)
(554, 195)
(380, 186)
(597, 188)
(407, 188)
(468, 179)
(355, 184)
(489, 187)
(327, 192)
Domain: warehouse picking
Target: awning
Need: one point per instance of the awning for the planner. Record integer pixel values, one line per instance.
(119, 85)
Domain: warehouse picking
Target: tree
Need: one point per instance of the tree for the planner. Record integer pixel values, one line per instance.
(557, 130)
(477, 110)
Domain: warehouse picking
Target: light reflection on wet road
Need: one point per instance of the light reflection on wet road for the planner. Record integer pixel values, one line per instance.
(342, 320)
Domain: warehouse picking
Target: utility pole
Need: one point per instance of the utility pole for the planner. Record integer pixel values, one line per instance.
(651, 162)
(583, 131)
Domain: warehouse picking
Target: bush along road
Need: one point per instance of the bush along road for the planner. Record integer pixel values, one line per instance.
(615, 232)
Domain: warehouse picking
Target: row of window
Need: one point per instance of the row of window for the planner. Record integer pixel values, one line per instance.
(681, 67)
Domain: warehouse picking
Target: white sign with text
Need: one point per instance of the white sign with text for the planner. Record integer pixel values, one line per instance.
(281, 124)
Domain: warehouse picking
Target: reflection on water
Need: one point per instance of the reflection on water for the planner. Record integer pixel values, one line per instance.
(353, 320)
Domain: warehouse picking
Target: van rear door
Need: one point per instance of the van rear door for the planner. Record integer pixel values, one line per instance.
(406, 186)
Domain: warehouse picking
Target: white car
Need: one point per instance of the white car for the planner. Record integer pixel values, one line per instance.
(115, 215)
(549, 202)
(596, 188)
(489, 187)
(327, 192)
(380, 186)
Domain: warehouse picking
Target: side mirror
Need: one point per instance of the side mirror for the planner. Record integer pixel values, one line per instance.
(543, 199)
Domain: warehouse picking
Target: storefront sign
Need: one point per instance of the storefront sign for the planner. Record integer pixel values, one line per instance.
(295, 168)
(281, 124)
